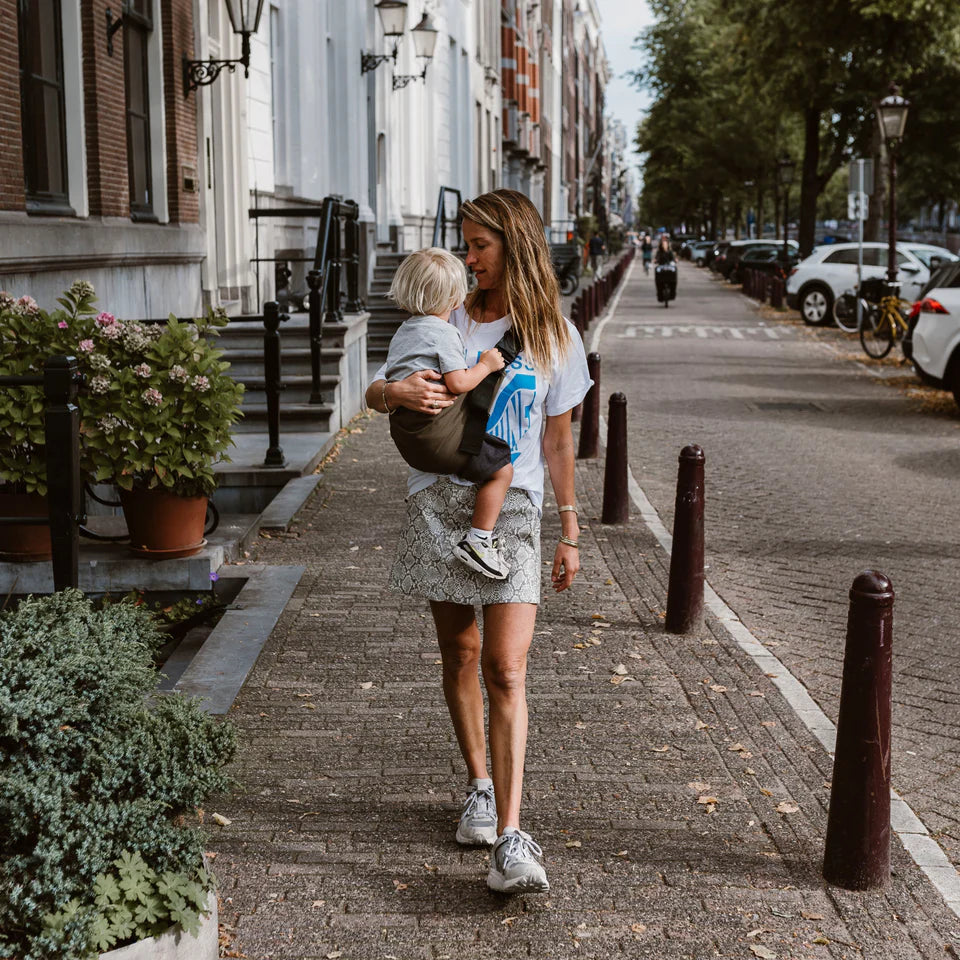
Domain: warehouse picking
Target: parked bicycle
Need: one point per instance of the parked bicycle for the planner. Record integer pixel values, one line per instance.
(885, 323)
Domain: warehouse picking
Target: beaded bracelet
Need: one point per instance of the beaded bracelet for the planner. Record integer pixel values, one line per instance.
(569, 541)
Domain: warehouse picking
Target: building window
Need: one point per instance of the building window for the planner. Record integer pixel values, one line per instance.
(137, 27)
(41, 101)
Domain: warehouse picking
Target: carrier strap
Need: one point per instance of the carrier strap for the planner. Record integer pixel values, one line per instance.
(480, 398)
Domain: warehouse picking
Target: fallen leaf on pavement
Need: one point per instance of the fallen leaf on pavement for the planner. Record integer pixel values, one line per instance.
(756, 693)
(823, 941)
(766, 792)
(574, 843)
(222, 820)
(762, 952)
(702, 726)
(718, 688)
(580, 725)
(662, 749)
(598, 616)
(706, 799)
(507, 921)
(736, 747)
(334, 954)
(399, 886)
(787, 806)
(318, 903)
(638, 927)
(430, 867)
(620, 853)
(367, 685)
(807, 915)
(768, 723)
(620, 669)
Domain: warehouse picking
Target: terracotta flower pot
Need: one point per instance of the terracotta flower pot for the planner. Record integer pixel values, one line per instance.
(162, 525)
(28, 542)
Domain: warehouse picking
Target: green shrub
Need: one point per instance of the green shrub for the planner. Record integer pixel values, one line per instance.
(96, 776)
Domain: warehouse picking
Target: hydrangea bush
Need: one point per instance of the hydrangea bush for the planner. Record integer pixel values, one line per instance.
(158, 406)
(98, 776)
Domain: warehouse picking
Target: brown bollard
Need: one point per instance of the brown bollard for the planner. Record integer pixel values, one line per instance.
(616, 496)
(685, 591)
(857, 854)
(590, 420)
(776, 293)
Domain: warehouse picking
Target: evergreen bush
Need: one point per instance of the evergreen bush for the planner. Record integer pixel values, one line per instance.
(97, 775)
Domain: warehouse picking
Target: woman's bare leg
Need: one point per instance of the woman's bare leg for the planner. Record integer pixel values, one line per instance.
(507, 633)
(459, 640)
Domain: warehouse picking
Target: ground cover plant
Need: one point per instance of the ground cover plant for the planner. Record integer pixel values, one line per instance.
(99, 782)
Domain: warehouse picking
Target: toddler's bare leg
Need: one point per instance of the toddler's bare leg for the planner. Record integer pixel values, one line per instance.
(490, 496)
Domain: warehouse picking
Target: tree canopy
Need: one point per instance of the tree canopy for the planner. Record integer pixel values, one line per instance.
(737, 83)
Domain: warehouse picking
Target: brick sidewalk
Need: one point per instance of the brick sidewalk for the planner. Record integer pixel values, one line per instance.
(341, 842)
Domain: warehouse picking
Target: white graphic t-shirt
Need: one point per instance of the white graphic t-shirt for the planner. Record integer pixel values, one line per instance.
(523, 401)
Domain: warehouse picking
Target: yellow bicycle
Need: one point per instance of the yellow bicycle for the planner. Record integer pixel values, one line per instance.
(883, 324)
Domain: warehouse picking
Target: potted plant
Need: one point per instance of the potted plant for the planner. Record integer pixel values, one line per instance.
(156, 413)
(157, 418)
(100, 777)
(28, 335)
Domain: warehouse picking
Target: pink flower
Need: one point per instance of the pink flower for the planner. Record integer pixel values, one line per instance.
(200, 384)
(29, 305)
(142, 370)
(86, 346)
(62, 324)
(152, 397)
(105, 319)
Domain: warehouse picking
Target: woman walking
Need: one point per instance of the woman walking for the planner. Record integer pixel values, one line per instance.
(517, 292)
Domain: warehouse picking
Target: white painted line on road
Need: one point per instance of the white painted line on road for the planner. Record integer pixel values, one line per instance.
(595, 339)
(927, 854)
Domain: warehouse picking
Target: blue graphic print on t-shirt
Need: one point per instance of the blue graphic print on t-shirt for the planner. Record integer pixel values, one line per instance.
(510, 414)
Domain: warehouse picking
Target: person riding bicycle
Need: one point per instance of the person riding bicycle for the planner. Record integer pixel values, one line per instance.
(646, 248)
(666, 272)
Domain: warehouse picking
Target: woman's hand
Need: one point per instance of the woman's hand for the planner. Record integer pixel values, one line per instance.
(566, 563)
(423, 391)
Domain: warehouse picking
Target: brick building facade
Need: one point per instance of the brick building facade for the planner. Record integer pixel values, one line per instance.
(98, 176)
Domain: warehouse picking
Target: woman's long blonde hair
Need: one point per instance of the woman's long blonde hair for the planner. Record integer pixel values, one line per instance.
(530, 290)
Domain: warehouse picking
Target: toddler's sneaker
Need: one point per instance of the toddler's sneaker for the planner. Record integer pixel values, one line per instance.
(514, 867)
(478, 822)
(483, 557)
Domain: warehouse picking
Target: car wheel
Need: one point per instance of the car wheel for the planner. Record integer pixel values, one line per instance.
(816, 305)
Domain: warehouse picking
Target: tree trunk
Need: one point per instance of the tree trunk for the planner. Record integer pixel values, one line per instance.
(809, 183)
(759, 221)
(714, 217)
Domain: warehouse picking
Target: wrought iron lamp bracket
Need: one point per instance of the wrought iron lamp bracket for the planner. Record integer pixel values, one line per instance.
(370, 61)
(401, 80)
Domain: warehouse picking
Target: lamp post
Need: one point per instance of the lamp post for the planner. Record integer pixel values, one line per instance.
(785, 168)
(424, 41)
(892, 116)
(393, 18)
(244, 20)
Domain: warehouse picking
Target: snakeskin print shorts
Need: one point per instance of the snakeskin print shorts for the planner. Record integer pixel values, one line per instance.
(438, 518)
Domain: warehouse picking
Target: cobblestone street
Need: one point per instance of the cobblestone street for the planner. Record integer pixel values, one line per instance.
(349, 779)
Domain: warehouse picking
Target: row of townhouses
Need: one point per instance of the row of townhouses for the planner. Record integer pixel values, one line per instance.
(133, 159)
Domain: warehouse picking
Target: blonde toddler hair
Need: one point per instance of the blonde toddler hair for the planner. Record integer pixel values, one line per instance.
(430, 281)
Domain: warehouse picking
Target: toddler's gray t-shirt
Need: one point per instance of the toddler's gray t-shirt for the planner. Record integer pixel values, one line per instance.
(425, 343)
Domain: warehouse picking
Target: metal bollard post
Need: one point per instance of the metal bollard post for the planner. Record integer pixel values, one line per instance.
(685, 592)
(589, 447)
(857, 851)
(616, 500)
(62, 442)
(271, 373)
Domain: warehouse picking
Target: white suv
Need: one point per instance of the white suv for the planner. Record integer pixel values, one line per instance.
(935, 320)
(831, 270)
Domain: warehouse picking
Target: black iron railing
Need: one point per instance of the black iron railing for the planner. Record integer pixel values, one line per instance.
(60, 381)
(442, 220)
(337, 258)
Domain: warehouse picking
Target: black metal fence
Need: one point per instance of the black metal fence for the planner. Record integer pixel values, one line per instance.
(442, 220)
(60, 382)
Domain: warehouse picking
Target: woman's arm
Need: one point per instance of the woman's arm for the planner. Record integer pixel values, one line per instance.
(423, 391)
(558, 452)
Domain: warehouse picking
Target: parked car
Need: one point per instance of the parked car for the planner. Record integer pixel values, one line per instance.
(935, 326)
(726, 262)
(766, 259)
(699, 250)
(719, 247)
(831, 270)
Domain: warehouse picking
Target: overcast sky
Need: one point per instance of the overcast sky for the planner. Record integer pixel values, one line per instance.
(622, 21)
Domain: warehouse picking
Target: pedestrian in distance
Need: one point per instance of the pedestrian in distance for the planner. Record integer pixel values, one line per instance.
(646, 248)
(597, 248)
(516, 293)
(429, 284)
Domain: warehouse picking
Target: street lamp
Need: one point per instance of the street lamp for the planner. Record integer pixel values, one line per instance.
(785, 168)
(393, 18)
(892, 116)
(244, 20)
(424, 41)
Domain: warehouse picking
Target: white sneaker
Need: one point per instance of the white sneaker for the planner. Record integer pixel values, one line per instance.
(484, 558)
(478, 822)
(514, 867)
